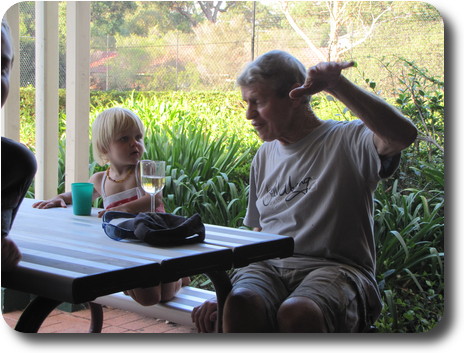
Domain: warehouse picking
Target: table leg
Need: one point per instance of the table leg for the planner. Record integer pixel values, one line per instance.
(35, 314)
(96, 318)
(222, 286)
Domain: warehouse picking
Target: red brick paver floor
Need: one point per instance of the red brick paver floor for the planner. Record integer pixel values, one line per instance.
(114, 321)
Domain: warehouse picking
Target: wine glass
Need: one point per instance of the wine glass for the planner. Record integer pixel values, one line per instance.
(152, 178)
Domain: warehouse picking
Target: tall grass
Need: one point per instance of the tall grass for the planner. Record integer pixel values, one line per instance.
(409, 228)
(198, 169)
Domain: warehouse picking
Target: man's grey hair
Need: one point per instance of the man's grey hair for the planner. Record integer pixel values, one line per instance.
(277, 69)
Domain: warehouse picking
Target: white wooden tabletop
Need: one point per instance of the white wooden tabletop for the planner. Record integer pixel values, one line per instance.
(70, 258)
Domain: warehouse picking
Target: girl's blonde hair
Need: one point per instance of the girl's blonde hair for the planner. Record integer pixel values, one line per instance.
(107, 125)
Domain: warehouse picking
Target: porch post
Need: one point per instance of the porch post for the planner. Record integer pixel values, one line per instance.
(77, 91)
(46, 181)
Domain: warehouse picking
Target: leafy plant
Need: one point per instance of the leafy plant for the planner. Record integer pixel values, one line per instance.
(421, 98)
(409, 235)
(198, 166)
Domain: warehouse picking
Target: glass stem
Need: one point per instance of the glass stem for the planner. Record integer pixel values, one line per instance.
(153, 202)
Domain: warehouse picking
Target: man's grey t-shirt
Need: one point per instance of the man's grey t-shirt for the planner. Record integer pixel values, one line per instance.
(319, 191)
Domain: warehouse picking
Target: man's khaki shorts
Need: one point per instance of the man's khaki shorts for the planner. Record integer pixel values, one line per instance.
(329, 287)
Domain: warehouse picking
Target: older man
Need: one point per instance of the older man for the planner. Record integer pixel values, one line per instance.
(313, 180)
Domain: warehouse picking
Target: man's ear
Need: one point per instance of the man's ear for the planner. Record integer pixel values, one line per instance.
(296, 85)
(297, 99)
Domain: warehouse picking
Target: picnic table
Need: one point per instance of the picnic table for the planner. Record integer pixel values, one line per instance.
(68, 258)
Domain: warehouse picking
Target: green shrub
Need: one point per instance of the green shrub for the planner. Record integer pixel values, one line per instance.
(409, 232)
(198, 169)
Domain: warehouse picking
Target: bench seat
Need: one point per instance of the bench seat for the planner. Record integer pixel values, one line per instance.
(177, 310)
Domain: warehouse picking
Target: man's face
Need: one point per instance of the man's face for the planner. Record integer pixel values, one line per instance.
(269, 114)
(7, 62)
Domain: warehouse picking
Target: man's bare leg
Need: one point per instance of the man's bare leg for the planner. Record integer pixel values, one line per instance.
(244, 311)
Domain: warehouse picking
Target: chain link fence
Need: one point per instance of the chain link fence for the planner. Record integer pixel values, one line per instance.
(212, 54)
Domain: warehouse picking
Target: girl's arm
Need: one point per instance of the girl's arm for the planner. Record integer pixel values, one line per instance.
(142, 204)
(65, 198)
(60, 200)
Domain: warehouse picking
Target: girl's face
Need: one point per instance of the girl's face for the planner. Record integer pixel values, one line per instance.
(126, 148)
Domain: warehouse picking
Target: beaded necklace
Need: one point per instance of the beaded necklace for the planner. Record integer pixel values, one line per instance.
(116, 180)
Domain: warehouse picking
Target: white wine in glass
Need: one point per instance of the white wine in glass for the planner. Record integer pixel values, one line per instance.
(152, 178)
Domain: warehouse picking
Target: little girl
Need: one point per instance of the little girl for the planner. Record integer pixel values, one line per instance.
(117, 139)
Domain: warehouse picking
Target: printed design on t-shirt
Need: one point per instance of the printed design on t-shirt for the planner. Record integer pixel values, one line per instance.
(289, 190)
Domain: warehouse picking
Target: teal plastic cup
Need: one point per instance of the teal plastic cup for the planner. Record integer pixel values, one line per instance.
(82, 198)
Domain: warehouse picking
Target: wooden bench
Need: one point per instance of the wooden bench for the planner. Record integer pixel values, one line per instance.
(177, 310)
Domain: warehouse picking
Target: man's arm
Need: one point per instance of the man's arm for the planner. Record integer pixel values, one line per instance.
(392, 131)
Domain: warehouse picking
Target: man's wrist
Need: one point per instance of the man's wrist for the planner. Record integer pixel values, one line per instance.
(339, 86)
